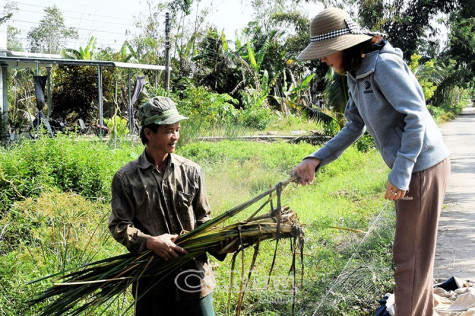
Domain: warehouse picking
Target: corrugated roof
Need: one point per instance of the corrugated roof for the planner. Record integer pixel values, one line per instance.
(31, 60)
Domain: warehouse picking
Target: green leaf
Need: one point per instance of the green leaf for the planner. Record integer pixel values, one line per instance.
(224, 42)
(265, 83)
(336, 91)
(251, 56)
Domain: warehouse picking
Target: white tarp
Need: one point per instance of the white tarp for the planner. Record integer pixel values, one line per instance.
(459, 302)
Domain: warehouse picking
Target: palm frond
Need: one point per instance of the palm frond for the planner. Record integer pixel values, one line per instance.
(317, 115)
(336, 91)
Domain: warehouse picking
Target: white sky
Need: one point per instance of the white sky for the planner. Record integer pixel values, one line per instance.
(107, 20)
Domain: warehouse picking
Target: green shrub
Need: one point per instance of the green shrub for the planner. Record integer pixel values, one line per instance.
(365, 143)
(209, 108)
(67, 163)
(331, 128)
(255, 117)
(65, 221)
(454, 100)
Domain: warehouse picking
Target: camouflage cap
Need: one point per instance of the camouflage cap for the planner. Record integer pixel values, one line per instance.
(159, 110)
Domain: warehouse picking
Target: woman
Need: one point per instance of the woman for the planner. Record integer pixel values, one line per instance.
(386, 100)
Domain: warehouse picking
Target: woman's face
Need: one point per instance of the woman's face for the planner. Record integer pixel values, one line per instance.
(335, 61)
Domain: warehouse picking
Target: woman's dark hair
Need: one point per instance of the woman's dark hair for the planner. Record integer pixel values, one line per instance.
(153, 127)
(353, 56)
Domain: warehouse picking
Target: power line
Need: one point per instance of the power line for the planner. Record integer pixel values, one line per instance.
(81, 29)
(84, 40)
(77, 12)
(110, 31)
(74, 18)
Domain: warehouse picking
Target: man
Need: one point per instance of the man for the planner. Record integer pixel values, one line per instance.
(154, 199)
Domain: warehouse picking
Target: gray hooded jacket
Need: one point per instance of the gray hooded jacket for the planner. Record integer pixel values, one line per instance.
(386, 99)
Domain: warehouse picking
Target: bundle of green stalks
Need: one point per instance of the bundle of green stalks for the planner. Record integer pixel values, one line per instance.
(98, 283)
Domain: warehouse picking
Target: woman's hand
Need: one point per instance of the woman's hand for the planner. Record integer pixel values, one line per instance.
(164, 246)
(393, 193)
(306, 170)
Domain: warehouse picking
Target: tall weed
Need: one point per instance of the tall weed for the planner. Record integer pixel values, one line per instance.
(48, 234)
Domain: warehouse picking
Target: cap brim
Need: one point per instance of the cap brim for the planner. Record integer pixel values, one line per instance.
(317, 50)
(171, 120)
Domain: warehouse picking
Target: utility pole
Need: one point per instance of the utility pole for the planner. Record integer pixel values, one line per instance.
(50, 91)
(4, 133)
(131, 108)
(167, 51)
(99, 88)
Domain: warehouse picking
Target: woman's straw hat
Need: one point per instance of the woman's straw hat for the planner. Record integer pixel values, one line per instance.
(333, 30)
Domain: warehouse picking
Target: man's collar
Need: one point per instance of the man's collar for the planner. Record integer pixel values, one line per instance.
(144, 163)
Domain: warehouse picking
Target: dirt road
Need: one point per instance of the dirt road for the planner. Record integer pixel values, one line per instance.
(455, 253)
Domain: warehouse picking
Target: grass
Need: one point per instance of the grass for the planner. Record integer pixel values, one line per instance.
(346, 193)
(39, 227)
(283, 126)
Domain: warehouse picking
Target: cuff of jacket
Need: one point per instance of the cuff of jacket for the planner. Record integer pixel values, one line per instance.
(400, 175)
(138, 242)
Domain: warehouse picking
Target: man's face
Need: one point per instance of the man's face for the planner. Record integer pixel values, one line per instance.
(335, 61)
(165, 139)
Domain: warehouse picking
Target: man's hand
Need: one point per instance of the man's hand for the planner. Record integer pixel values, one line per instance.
(228, 246)
(306, 170)
(164, 246)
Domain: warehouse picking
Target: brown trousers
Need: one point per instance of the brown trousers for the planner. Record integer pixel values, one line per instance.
(415, 240)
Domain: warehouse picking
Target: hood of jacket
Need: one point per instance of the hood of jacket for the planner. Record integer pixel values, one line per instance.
(369, 62)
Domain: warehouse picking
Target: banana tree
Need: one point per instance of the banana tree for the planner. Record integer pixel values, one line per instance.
(85, 53)
(290, 95)
(336, 94)
(257, 97)
(126, 53)
(429, 75)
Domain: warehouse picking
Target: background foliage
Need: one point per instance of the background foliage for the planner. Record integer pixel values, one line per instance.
(257, 72)
(55, 191)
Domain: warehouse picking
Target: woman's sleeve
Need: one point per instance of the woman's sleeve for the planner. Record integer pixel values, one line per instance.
(350, 133)
(402, 90)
